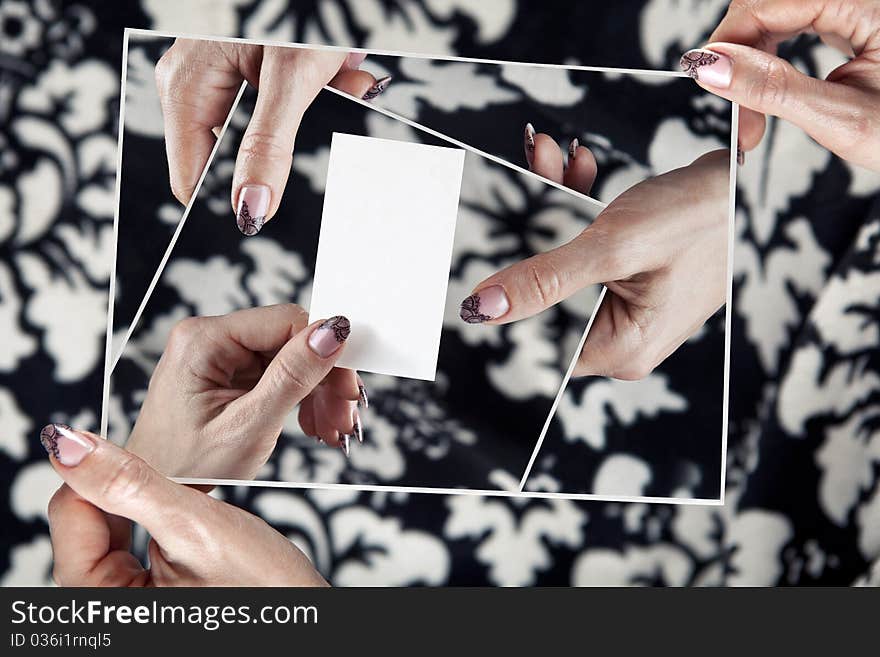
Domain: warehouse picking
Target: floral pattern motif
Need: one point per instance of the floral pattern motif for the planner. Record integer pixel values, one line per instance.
(802, 501)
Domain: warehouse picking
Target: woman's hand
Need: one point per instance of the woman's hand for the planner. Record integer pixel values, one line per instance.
(841, 112)
(195, 539)
(220, 394)
(198, 81)
(660, 248)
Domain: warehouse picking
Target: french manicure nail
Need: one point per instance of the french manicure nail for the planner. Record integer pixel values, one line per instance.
(329, 336)
(344, 444)
(358, 429)
(488, 303)
(69, 447)
(530, 143)
(710, 68)
(573, 149)
(380, 86)
(253, 204)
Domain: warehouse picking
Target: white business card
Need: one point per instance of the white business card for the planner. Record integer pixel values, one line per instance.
(385, 249)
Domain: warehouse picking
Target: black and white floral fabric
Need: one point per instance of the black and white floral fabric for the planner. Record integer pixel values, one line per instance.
(802, 503)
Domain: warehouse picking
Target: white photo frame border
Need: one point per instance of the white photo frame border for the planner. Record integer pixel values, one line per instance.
(111, 360)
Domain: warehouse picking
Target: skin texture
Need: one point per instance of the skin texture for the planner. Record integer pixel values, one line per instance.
(196, 540)
(218, 398)
(645, 246)
(197, 83)
(839, 112)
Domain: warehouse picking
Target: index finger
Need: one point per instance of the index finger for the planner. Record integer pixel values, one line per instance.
(90, 547)
(765, 24)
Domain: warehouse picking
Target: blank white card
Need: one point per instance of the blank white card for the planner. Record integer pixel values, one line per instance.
(385, 249)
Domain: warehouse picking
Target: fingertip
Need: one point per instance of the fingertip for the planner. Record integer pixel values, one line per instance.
(353, 82)
(752, 125)
(66, 446)
(252, 208)
(547, 158)
(329, 336)
(582, 169)
(486, 304)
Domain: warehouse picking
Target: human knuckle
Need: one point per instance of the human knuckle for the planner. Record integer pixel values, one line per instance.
(264, 145)
(289, 374)
(185, 333)
(545, 282)
(861, 128)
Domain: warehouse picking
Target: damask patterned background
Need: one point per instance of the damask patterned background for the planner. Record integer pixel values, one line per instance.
(802, 464)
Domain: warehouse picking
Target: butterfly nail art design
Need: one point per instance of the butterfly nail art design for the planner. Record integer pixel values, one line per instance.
(692, 60)
(470, 310)
(246, 223)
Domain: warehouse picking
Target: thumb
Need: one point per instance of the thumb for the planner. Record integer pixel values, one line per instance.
(297, 369)
(117, 481)
(827, 111)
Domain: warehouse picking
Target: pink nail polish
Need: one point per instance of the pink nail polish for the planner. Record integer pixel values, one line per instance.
(69, 447)
(529, 141)
(253, 204)
(329, 336)
(711, 68)
(380, 86)
(489, 303)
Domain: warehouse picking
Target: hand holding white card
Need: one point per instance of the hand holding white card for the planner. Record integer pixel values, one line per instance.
(385, 248)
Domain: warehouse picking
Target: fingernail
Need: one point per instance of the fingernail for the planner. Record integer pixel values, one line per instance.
(740, 155)
(380, 86)
(358, 429)
(253, 204)
(362, 394)
(710, 68)
(69, 447)
(530, 143)
(344, 444)
(573, 149)
(488, 303)
(329, 336)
